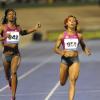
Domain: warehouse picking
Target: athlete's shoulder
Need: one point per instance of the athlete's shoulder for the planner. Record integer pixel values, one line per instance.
(19, 27)
(80, 36)
(2, 26)
(61, 35)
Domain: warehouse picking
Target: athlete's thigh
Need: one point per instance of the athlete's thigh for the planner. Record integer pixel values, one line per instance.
(74, 70)
(6, 64)
(15, 63)
(63, 71)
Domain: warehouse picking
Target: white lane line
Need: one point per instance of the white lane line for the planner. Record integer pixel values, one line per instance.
(30, 71)
(57, 93)
(52, 91)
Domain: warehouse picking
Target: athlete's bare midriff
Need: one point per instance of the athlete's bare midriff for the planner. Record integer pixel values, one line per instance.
(72, 52)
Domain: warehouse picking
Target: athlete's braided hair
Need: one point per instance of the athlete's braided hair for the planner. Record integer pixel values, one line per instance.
(4, 20)
(66, 20)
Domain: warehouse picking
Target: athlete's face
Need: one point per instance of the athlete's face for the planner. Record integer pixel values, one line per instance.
(11, 16)
(71, 23)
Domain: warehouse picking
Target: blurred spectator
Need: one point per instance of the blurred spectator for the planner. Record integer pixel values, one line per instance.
(35, 1)
(51, 1)
(3, 3)
(99, 2)
(19, 1)
(37, 36)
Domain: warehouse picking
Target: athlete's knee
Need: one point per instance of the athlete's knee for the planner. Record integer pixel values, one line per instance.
(13, 73)
(73, 81)
(63, 80)
(62, 83)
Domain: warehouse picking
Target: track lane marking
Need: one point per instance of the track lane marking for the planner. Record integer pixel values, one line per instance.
(30, 71)
(52, 91)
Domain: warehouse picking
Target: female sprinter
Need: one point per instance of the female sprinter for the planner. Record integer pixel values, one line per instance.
(10, 33)
(70, 65)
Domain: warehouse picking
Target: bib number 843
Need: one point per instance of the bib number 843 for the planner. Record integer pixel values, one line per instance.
(15, 37)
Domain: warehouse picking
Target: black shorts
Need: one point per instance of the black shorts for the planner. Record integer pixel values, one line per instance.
(69, 60)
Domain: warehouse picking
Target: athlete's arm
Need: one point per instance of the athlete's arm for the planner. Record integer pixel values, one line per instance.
(58, 44)
(26, 32)
(1, 30)
(83, 45)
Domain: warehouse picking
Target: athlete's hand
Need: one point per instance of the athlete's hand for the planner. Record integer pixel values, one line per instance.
(38, 25)
(7, 36)
(87, 51)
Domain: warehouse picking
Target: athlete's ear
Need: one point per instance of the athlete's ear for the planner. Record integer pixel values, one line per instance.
(65, 25)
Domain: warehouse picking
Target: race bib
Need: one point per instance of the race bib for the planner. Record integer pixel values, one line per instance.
(71, 44)
(13, 37)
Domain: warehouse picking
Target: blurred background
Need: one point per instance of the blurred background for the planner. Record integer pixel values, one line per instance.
(38, 74)
(51, 14)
